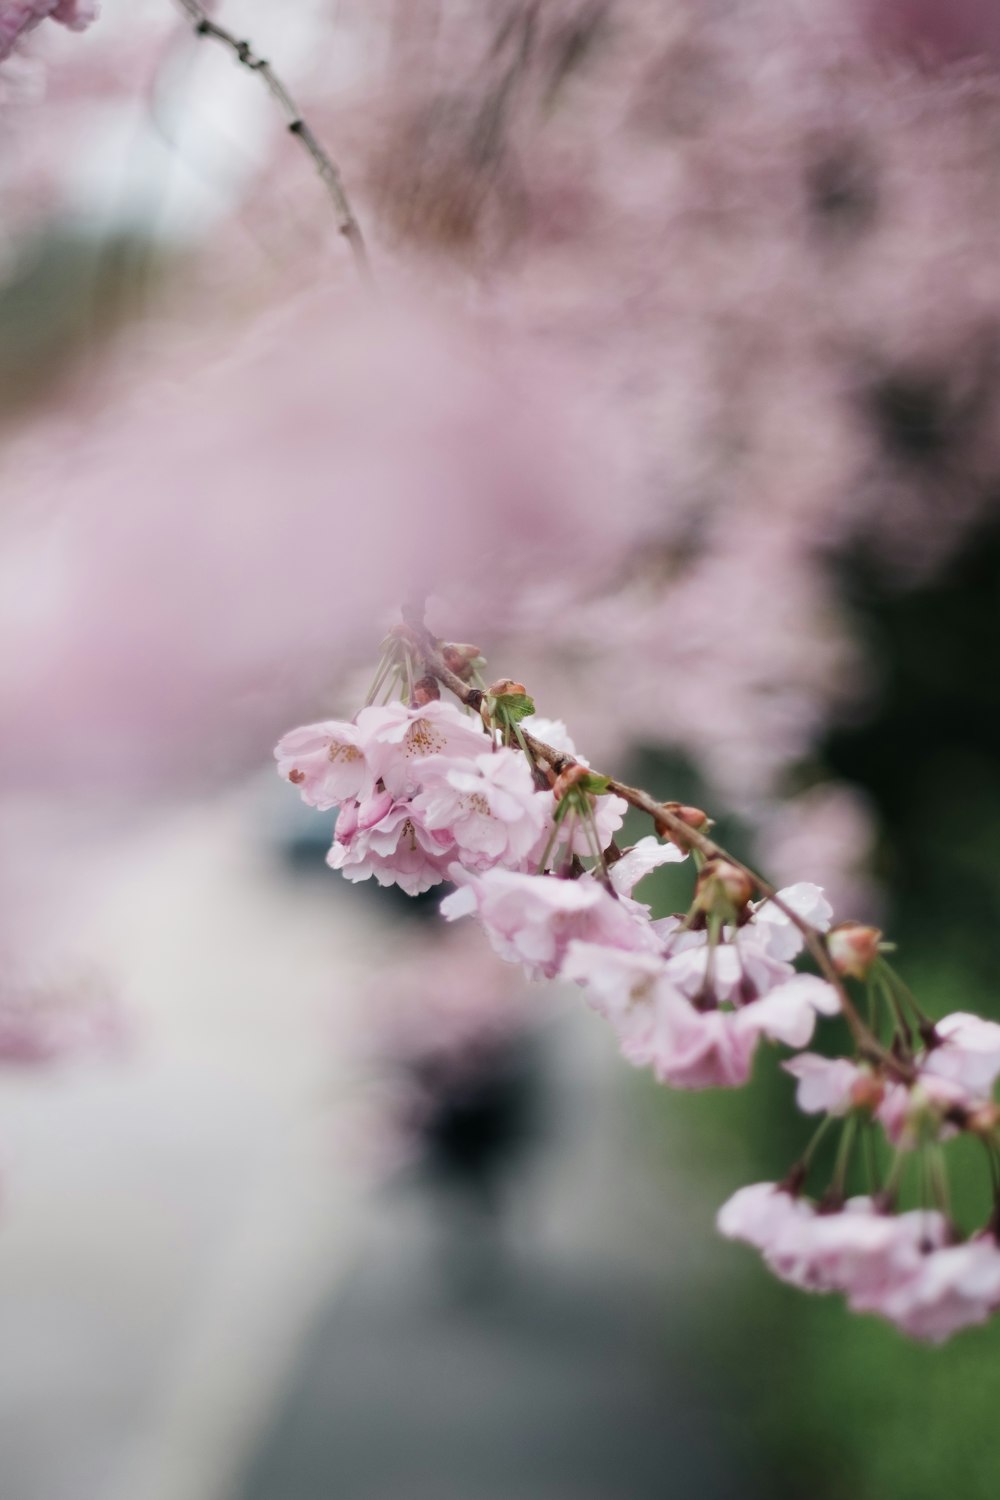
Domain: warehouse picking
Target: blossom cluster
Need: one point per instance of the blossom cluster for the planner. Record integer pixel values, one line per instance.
(427, 794)
(487, 796)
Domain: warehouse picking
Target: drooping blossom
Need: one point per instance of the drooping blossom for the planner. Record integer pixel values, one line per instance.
(656, 1025)
(913, 1114)
(856, 1249)
(966, 1052)
(325, 761)
(385, 838)
(949, 1288)
(761, 1213)
(904, 1267)
(607, 816)
(645, 856)
(785, 940)
(532, 919)
(747, 962)
(398, 740)
(687, 1046)
(488, 805)
(826, 1085)
(954, 1078)
(693, 1049)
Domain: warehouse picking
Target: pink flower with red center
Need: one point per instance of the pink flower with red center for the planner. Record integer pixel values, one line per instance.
(325, 761)
(386, 838)
(532, 919)
(488, 806)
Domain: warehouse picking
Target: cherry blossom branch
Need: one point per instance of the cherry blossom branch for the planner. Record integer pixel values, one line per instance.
(667, 817)
(329, 173)
(426, 794)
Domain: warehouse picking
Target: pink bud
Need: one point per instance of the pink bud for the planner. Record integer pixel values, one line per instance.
(723, 888)
(853, 948)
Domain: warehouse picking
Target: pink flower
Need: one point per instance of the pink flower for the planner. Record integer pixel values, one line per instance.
(749, 961)
(739, 969)
(608, 815)
(761, 1213)
(657, 1025)
(858, 1251)
(398, 740)
(914, 1113)
(958, 1073)
(624, 986)
(488, 805)
(641, 860)
(532, 919)
(325, 761)
(687, 1046)
(968, 1053)
(784, 940)
(946, 1289)
(788, 1012)
(385, 838)
(694, 1049)
(825, 1083)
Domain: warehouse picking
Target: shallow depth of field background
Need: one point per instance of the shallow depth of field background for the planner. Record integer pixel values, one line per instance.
(680, 394)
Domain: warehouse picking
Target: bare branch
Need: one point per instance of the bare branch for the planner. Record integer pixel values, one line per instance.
(204, 26)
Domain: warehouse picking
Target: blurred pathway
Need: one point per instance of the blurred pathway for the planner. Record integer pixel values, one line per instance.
(172, 1217)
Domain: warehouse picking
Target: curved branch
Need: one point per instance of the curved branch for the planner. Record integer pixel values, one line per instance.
(203, 25)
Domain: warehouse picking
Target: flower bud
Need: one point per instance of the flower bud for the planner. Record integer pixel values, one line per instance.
(569, 778)
(460, 658)
(506, 687)
(867, 1092)
(425, 690)
(853, 948)
(984, 1120)
(692, 816)
(723, 889)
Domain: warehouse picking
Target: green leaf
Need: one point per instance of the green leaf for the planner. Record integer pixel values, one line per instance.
(512, 707)
(595, 785)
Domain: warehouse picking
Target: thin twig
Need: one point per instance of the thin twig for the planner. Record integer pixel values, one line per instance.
(329, 173)
(662, 815)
